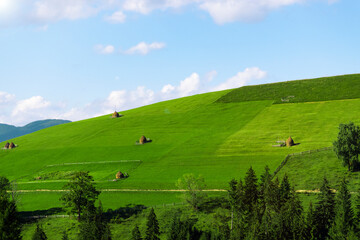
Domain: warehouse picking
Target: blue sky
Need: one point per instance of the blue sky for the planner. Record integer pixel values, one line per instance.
(75, 59)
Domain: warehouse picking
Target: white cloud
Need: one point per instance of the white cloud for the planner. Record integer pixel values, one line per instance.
(144, 48)
(43, 28)
(222, 11)
(116, 17)
(108, 49)
(189, 85)
(29, 105)
(35, 108)
(241, 78)
(54, 10)
(167, 89)
(146, 6)
(6, 98)
(210, 75)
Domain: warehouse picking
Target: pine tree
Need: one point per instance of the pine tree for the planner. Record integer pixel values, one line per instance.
(152, 230)
(10, 227)
(344, 216)
(236, 201)
(65, 236)
(324, 211)
(310, 222)
(94, 225)
(39, 233)
(136, 235)
(250, 190)
(293, 223)
(285, 189)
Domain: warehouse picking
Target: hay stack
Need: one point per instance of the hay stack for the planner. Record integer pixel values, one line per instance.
(115, 115)
(142, 140)
(12, 145)
(290, 142)
(7, 145)
(119, 175)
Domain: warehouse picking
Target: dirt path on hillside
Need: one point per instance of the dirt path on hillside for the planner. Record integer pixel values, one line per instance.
(121, 190)
(152, 190)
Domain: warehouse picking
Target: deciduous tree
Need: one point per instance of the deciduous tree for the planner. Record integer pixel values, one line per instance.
(194, 186)
(81, 193)
(347, 145)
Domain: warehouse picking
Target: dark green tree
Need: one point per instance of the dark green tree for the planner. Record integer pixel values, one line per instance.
(285, 189)
(292, 221)
(344, 215)
(39, 233)
(347, 145)
(236, 202)
(250, 189)
(93, 226)
(310, 222)
(135, 234)
(10, 227)
(152, 224)
(65, 236)
(324, 211)
(81, 193)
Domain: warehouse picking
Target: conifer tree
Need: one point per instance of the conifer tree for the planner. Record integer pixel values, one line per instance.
(65, 236)
(236, 201)
(93, 226)
(310, 222)
(39, 233)
(136, 235)
(324, 211)
(152, 230)
(285, 189)
(250, 189)
(292, 225)
(10, 227)
(344, 215)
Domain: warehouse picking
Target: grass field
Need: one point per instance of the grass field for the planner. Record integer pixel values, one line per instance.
(320, 89)
(308, 170)
(212, 134)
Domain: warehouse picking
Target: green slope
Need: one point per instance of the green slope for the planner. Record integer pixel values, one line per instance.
(8, 131)
(201, 134)
(320, 89)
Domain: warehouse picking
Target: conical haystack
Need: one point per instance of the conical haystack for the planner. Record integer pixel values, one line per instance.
(115, 115)
(7, 145)
(119, 175)
(142, 140)
(290, 142)
(12, 145)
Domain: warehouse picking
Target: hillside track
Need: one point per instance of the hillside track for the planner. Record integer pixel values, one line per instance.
(153, 190)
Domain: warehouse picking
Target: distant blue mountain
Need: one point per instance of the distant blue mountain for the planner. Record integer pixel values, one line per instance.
(8, 131)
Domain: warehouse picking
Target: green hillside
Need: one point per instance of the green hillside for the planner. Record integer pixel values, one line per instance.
(8, 131)
(310, 90)
(203, 134)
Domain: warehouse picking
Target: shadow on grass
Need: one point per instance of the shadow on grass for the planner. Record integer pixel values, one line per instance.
(120, 214)
(30, 216)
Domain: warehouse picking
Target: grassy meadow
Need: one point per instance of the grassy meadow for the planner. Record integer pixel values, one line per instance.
(218, 135)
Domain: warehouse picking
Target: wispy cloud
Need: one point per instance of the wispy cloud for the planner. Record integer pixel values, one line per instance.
(222, 11)
(116, 17)
(241, 79)
(20, 112)
(144, 48)
(107, 49)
